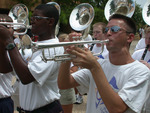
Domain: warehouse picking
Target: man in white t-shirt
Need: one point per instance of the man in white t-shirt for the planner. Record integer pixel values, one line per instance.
(115, 85)
(98, 34)
(38, 90)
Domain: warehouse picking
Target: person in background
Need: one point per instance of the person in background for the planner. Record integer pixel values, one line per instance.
(98, 34)
(115, 85)
(141, 32)
(68, 95)
(38, 89)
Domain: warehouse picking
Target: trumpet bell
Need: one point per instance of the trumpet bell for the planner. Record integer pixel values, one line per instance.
(81, 16)
(146, 12)
(124, 7)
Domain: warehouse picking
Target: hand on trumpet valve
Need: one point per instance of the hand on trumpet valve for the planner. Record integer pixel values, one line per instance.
(84, 58)
(74, 36)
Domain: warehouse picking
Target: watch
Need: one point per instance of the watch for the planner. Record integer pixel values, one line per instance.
(10, 46)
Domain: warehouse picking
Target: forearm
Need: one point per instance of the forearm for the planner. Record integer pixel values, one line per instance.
(5, 65)
(65, 80)
(110, 98)
(20, 66)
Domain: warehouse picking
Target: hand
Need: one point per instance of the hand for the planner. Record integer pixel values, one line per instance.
(145, 63)
(6, 35)
(84, 58)
(74, 36)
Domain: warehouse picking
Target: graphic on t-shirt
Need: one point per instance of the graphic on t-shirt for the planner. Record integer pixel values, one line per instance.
(148, 61)
(100, 56)
(99, 103)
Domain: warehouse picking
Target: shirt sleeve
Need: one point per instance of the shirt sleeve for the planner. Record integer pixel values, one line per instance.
(82, 77)
(135, 92)
(41, 70)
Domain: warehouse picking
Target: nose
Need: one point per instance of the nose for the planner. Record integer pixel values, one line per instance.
(108, 32)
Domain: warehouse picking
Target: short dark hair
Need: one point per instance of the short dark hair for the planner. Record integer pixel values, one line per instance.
(50, 11)
(130, 23)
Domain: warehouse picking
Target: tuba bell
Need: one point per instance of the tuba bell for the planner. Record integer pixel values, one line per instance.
(146, 12)
(19, 15)
(81, 18)
(124, 7)
(59, 10)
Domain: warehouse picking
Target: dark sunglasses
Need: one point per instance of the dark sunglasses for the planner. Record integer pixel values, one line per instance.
(33, 18)
(115, 29)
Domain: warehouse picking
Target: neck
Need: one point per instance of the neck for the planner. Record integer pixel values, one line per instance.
(46, 37)
(120, 58)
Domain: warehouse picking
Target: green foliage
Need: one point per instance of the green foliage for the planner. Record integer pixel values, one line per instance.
(137, 17)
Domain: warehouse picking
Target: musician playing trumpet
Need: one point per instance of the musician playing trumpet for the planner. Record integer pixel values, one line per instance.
(115, 85)
(38, 90)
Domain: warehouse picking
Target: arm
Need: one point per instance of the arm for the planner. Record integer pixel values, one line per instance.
(65, 80)
(5, 66)
(111, 99)
(20, 66)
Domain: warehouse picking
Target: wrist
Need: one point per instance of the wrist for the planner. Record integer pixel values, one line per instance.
(10, 46)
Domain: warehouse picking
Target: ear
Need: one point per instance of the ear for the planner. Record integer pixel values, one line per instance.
(51, 21)
(131, 37)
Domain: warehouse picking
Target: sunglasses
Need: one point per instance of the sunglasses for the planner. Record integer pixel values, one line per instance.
(37, 18)
(115, 29)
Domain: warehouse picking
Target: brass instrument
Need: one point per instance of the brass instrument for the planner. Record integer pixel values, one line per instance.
(34, 46)
(19, 15)
(59, 10)
(81, 18)
(146, 12)
(124, 7)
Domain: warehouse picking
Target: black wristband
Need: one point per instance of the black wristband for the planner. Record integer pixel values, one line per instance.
(10, 46)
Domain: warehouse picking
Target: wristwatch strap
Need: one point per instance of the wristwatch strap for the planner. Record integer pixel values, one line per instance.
(10, 46)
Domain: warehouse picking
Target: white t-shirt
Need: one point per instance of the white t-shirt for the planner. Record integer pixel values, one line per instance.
(6, 89)
(130, 81)
(137, 56)
(44, 90)
(99, 49)
(141, 44)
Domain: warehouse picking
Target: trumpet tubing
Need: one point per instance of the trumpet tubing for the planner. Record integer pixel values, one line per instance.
(63, 57)
(18, 25)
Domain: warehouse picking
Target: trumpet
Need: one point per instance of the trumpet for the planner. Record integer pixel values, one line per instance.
(34, 46)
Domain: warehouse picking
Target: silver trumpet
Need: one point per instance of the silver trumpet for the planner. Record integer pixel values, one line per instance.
(63, 57)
